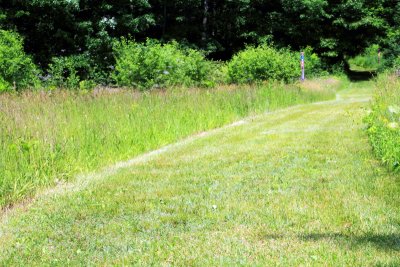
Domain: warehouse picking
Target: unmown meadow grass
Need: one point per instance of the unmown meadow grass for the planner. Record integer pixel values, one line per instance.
(297, 187)
(384, 121)
(49, 137)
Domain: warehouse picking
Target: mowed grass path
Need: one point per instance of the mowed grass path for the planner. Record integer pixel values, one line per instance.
(298, 186)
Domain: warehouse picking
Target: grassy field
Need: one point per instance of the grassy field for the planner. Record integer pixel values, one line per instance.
(296, 187)
(49, 137)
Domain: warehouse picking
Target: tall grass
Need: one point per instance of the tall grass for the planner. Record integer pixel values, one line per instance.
(47, 137)
(367, 61)
(384, 121)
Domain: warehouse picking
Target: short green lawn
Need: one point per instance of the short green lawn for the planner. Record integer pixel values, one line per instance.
(293, 187)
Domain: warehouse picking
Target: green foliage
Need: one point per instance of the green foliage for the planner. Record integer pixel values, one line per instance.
(68, 72)
(263, 63)
(396, 63)
(15, 66)
(86, 26)
(155, 65)
(334, 29)
(219, 73)
(313, 64)
(87, 85)
(384, 121)
(4, 86)
(392, 52)
(391, 42)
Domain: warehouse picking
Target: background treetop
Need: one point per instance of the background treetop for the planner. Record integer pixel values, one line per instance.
(334, 28)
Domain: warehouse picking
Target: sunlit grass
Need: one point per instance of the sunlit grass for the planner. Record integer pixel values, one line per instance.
(47, 137)
(297, 187)
(384, 121)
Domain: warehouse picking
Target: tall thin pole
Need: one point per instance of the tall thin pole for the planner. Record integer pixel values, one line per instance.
(302, 66)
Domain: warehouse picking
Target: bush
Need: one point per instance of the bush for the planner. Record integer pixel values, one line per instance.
(313, 64)
(392, 49)
(152, 64)
(4, 85)
(15, 66)
(384, 121)
(263, 63)
(87, 85)
(69, 71)
(219, 73)
(396, 63)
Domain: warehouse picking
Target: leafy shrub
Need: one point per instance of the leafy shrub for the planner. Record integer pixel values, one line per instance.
(69, 71)
(392, 48)
(152, 64)
(263, 63)
(87, 85)
(384, 121)
(4, 86)
(219, 73)
(15, 66)
(396, 63)
(313, 64)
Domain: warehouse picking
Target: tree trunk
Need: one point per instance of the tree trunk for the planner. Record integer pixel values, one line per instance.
(164, 27)
(205, 23)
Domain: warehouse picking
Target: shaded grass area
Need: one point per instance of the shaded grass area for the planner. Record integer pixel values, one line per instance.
(362, 69)
(295, 187)
(384, 121)
(48, 137)
(360, 75)
(367, 61)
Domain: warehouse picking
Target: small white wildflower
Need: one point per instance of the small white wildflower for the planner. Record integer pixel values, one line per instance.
(214, 207)
(393, 125)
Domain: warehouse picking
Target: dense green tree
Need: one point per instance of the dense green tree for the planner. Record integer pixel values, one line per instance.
(334, 28)
(62, 27)
(16, 68)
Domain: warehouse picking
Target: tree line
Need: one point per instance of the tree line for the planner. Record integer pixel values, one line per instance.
(336, 29)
